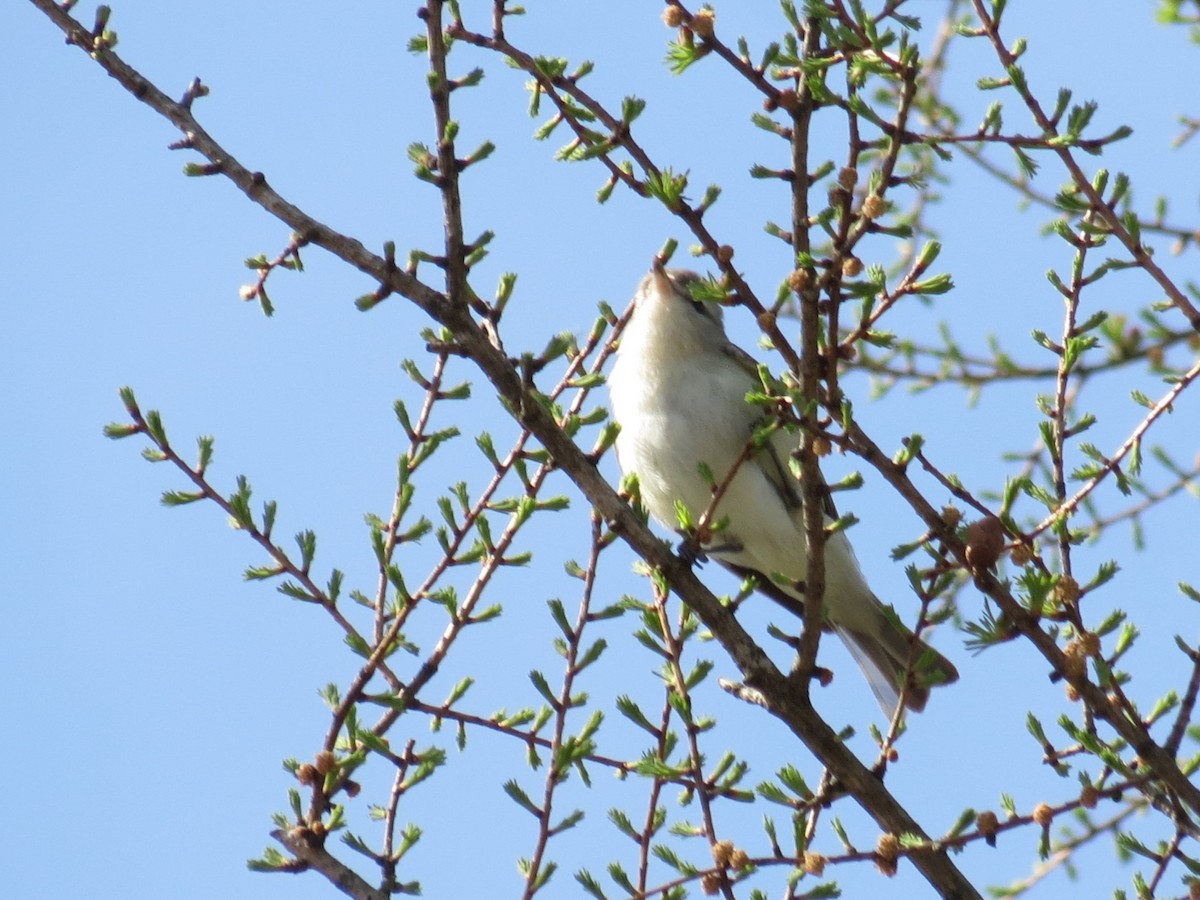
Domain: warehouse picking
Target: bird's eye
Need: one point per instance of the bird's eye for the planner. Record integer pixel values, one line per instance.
(699, 307)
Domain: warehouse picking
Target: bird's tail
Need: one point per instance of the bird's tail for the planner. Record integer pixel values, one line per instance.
(879, 642)
(895, 661)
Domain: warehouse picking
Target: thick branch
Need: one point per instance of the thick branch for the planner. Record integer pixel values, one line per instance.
(310, 850)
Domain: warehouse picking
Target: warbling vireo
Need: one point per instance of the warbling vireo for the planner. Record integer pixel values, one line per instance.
(678, 391)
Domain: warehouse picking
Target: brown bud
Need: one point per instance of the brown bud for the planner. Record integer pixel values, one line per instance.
(1043, 814)
(1076, 665)
(721, 852)
(799, 280)
(848, 178)
(740, 859)
(1066, 591)
(1090, 642)
(672, 16)
(306, 773)
(887, 852)
(1022, 554)
(987, 823)
(724, 254)
(951, 515)
(873, 207)
(985, 542)
(710, 884)
(325, 762)
(702, 22)
(814, 864)
(1089, 797)
(821, 445)
(838, 195)
(888, 847)
(852, 266)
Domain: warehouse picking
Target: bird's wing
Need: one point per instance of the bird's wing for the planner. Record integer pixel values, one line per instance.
(774, 461)
(773, 457)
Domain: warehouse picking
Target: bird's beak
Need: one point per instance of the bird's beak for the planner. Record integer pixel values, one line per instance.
(662, 281)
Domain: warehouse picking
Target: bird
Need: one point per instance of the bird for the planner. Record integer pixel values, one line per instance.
(678, 391)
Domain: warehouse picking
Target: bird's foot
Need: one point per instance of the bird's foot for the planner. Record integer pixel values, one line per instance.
(694, 553)
(690, 552)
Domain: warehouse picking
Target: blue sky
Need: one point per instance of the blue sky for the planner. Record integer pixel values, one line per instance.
(151, 693)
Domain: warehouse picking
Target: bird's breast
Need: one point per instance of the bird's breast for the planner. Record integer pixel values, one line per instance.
(673, 422)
